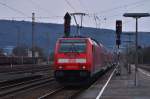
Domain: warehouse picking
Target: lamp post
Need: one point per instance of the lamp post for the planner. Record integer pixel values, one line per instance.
(136, 16)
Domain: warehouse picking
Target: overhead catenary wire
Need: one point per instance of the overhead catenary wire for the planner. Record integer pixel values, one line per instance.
(70, 5)
(39, 7)
(37, 17)
(137, 4)
(83, 6)
(96, 16)
(99, 21)
(115, 15)
(99, 18)
(95, 20)
(45, 10)
(13, 9)
(26, 16)
(122, 6)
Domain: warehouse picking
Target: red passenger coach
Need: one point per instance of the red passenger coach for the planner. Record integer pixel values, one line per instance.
(78, 59)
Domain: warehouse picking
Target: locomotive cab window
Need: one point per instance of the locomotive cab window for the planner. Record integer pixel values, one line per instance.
(72, 46)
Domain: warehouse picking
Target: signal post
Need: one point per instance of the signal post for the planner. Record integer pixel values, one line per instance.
(67, 22)
(118, 43)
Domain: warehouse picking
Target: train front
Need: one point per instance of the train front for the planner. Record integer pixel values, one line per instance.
(71, 60)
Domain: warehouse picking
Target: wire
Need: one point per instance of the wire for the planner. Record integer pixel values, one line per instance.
(120, 15)
(70, 5)
(123, 6)
(13, 9)
(39, 6)
(83, 7)
(40, 17)
(95, 19)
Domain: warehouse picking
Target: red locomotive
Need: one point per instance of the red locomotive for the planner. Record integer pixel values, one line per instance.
(78, 59)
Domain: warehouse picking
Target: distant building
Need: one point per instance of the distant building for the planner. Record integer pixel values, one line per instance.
(36, 54)
(8, 50)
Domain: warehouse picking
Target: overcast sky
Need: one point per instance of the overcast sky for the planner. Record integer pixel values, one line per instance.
(108, 11)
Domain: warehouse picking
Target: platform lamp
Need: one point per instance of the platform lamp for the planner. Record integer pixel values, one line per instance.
(136, 16)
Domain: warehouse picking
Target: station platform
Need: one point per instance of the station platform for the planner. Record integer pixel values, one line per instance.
(121, 87)
(124, 87)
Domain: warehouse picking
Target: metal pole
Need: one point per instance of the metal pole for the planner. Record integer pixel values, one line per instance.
(136, 45)
(33, 21)
(119, 68)
(129, 57)
(143, 55)
(18, 41)
(48, 45)
(18, 36)
(18, 44)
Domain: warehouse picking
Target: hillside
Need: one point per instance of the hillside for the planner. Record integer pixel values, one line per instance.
(45, 32)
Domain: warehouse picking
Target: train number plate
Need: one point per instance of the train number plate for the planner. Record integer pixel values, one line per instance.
(71, 67)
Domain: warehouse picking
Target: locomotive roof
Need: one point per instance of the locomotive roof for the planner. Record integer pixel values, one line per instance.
(97, 42)
(92, 39)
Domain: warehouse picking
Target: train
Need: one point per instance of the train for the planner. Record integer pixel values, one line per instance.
(79, 59)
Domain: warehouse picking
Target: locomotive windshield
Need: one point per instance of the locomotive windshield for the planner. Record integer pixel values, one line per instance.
(72, 46)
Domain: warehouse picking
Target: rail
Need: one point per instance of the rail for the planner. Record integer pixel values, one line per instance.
(6, 90)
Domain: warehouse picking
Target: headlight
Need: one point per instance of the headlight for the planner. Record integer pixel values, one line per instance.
(82, 60)
(83, 67)
(60, 67)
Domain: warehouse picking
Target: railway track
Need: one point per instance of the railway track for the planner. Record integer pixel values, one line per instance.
(70, 92)
(48, 90)
(22, 85)
(62, 93)
(24, 69)
(27, 71)
(18, 80)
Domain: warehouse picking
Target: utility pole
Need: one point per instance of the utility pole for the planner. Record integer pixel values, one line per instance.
(33, 46)
(18, 36)
(48, 48)
(18, 40)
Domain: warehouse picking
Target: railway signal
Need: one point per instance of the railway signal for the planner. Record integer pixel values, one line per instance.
(67, 21)
(118, 42)
(118, 32)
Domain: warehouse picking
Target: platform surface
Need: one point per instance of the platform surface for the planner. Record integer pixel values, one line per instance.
(121, 87)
